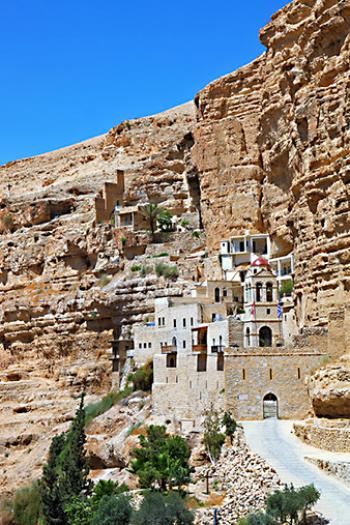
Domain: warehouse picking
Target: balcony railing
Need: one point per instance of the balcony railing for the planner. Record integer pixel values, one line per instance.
(168, 349)
(217, 349)
(202, 349)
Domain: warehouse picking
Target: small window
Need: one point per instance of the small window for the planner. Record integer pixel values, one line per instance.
(159, 321)
(243, 374)
(299, 373)
(270, 374)
(183, 344)
(140, 345)
(220, 362)
(285, 317)
(192, 321)
(224, 293)
(201, 363)
(174, 323)
(241, 246)
(268, 311)
(163, 321)
(171, 360)
(184, 323)
(149, 345)
(144, 345)
(190, 384)
(213, 317)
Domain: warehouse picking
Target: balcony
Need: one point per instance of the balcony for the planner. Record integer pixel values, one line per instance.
(169, 349)
(202, 349)
(217, 349)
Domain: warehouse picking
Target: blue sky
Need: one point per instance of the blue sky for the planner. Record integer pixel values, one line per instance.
(71, 69)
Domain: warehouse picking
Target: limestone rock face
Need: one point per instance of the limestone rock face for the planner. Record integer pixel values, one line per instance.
(272, 150)
(330, 391)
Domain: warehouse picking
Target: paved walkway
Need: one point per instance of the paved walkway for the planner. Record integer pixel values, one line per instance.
(273, 440)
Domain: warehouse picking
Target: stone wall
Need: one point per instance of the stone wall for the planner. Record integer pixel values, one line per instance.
(332, 436)
(251, 375)
(182, 393)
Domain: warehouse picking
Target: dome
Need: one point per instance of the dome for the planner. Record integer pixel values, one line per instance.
(260, 261)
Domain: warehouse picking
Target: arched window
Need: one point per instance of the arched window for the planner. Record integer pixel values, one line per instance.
(217, 295)
(269, 292)
(247, 334)
(258, 292)
(174, 342)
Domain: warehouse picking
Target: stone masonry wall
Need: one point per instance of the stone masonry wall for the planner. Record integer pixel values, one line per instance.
(248, 380)
(336, 439)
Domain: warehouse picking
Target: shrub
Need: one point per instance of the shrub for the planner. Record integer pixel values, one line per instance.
(161, 254)
(184, 223)
(113, 510)
(135, 267)
(167, 271)
(104, 280)
(164, 220)
(196, 234)
(145, 270)
(157, 509)
(257, 518)
(143, 377)
(106, 488)
(27, 505)
(286, 287)
(7, 221)
(111, 399)
(123, 240)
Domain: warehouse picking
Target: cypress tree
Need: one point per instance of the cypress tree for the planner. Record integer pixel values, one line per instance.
(49, 487)
(73, 465)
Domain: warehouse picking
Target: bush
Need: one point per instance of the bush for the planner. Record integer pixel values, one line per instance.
(286, 287)
(143, 377)
(161, 254)
(136, 267)
(196, 234)
(257, 518)
(230, 425)
(111, 399)
(27, 505)
(167, 271)
(145, 270)
(113, 510)
(104, 280)
(157, 509)
(7, 221)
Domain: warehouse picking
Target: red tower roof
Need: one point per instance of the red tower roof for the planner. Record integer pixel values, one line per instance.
(260, 261)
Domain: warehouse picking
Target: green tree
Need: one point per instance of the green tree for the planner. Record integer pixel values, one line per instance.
(27, 505)
(73, 468)
(164, 220)
(151, 213)
(106, 488)
(213, 437)
(79, 511)
(157, 509)
(49, 486)
(113, 510)
(230, 425)
(161, 461)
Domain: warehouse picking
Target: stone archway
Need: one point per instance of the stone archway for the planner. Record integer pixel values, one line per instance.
(270, 406)
(265, 336)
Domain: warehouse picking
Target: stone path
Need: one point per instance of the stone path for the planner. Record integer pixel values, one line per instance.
(272, 440)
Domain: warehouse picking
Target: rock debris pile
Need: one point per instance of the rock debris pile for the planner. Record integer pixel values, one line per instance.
(245, 478)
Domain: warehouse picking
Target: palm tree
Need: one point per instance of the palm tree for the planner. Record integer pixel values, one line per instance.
(151, 213)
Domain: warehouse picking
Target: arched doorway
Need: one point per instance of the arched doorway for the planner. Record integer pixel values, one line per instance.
(265, 336)
(270, 406)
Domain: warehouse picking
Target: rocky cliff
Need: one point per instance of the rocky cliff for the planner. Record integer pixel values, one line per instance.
(272, 148)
